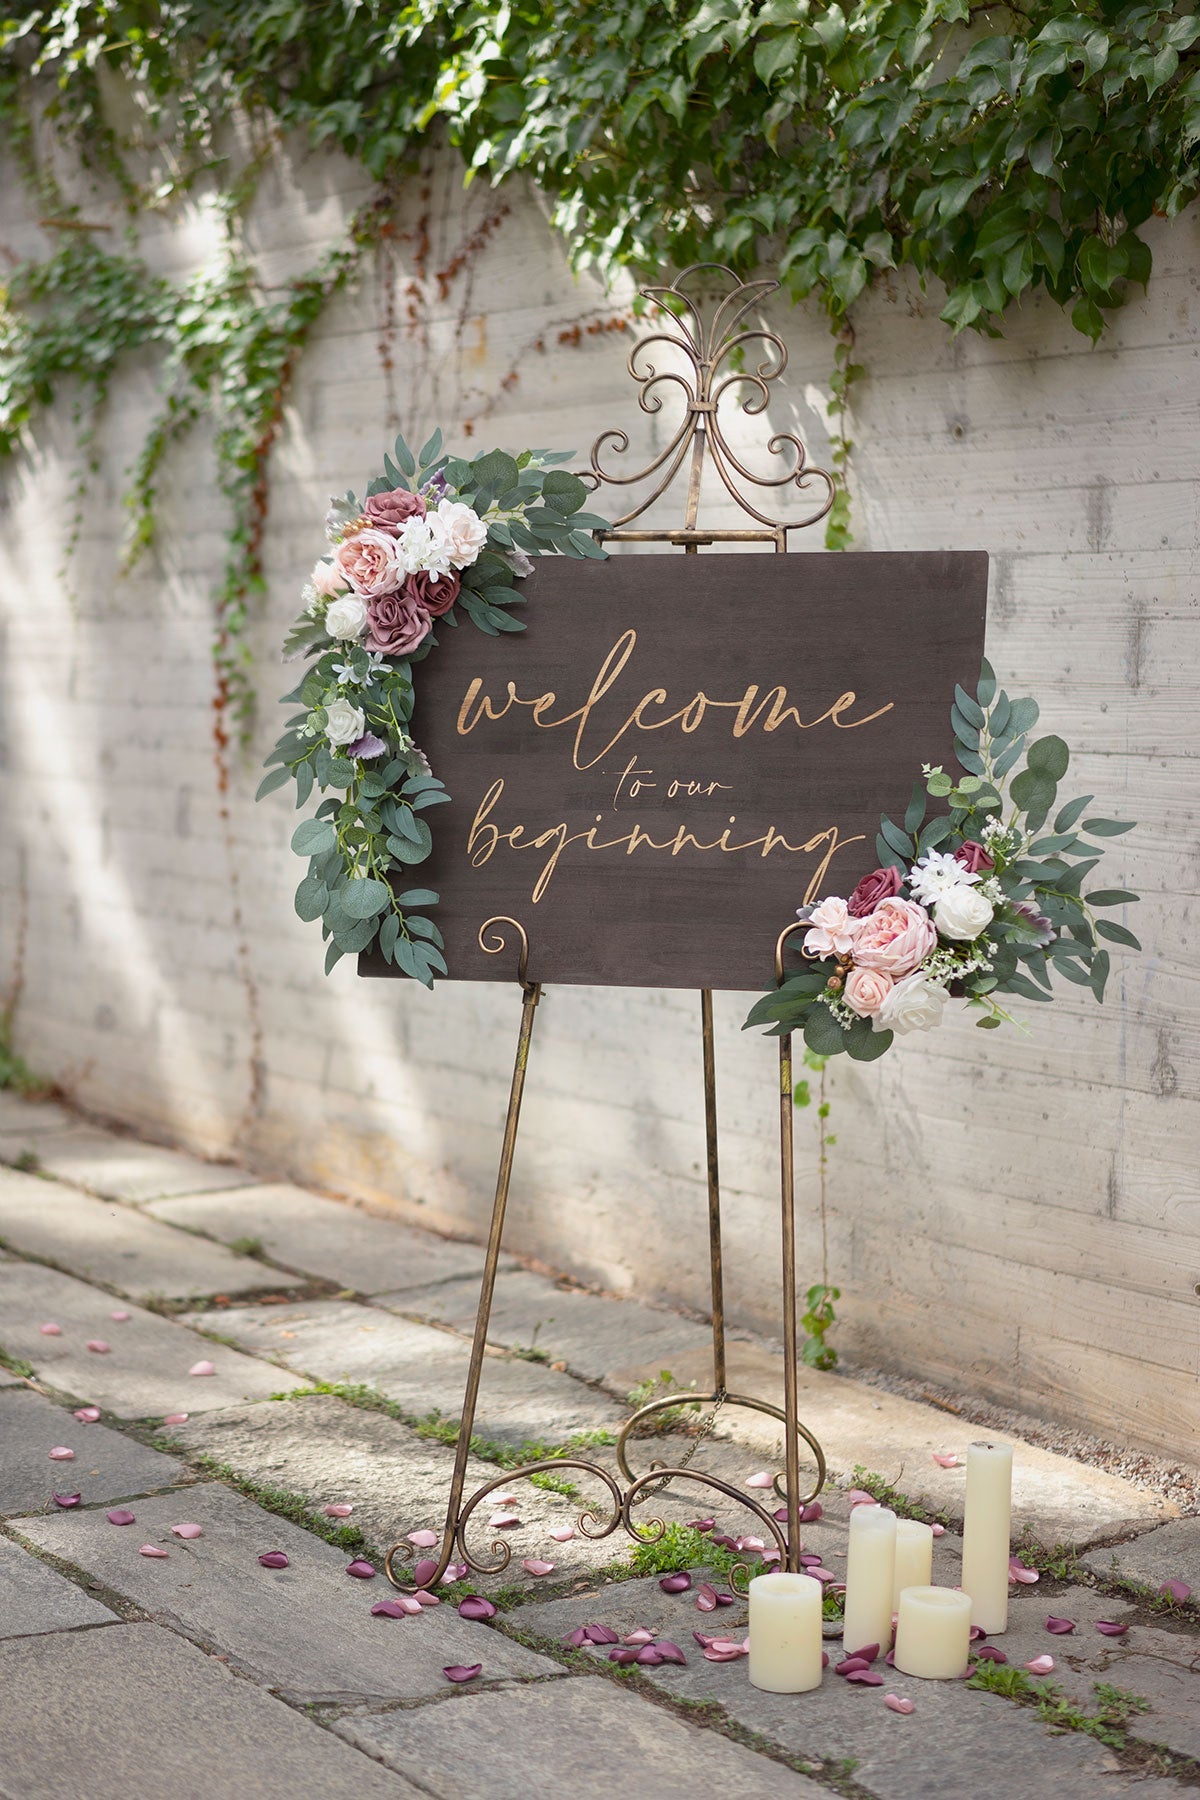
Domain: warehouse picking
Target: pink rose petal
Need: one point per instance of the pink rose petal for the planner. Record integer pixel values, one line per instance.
(200, 1368)
(1019, 1571)
(860, 1497)
(361, 1569)
(701, 1524)
(868, 1677)
(724, 1540)
(600, 1634)
(824, 1659)
(850, 1664)
(120, 1515)
(189, 1529)
(706, 1598)
(273, 1559)
(97, 1346)
(938, 1530)
(704, 1639)
(50, 1330)
(895, 1703)
(533, 1565)
(575, 1640)
(770, 1555)
(989, 1653)
(455, 1572)
(722, 1652)
(1041, 1665)
(175, 1418)
(460, 1671)
(810, 1513)
(641, 1636)
(625, 1655)
(60, 1453)
(763, 1479)
(564, 1534)
(820, 1574)
(649, 1655)
(341, 1509)
(506, 1499)
(1176, 1590)
(424, 1598)
(152, 1550)
(503, 1521)
(678, 1583)
(120, 1317)
(474, 1606)
(389, 1609)
(424, 1571)
(1110, 1628)
(890, 1659)
(671, 1653)
(809, 1559)
(945, 1459)
(751, 1543)
(409, 1605)
(1060, 1627)
(87, 1415)
(424, 1540)
(65, 1500)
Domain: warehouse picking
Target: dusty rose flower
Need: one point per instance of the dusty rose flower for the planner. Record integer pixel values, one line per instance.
(436, 593)
(832, 932)
(328, 580)
(397, 625)
(370, 563)
(866, 990)
(389, 511)
(896, 937)
(973, 857)
(881, 884)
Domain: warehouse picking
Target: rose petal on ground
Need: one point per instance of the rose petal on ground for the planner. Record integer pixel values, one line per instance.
(897, 1703)
(341, 1509)
(848, 1666)
(868, 1652)
(649, 1655)
(751, 1543)
(820, 1574)
(120, 1317)
(456, 1572)
(426, 1599)
(824, 1659)
(1019, 1571)
(575, 1640)
(860, 1497)
(730, 1654)
(503, 1521)
(810, 1513)
(678, 1583)
(120, 1515)
(388, 1609)
(1041, 1665)
(506, 1499)
(533, 1565)
(409, 1605)
(151, 1550)
(701, 1524)
(66, 1499)
(424, 1540)
(60, 1453)
(202, 1368)
(809, 1559)
(706, 1597)
(49, 1329)
(761, 1479)
(600, 1634)
(641, 1636)
(1110, 1628)
(1175, 1590)
(770, 1555)
(97, 1346)
(189, 1529)
(671, 1653)
(989, 1653)
(273, 1559)
(625, 1655)
(175, 1419)
(564, 1534)
(361, 1569)
(462, 1672)
(87, 1415)
(975, 1633)
(424, 1571)
(890, 1659)
(474, 1606)
(724, 1540)
(1060, 1627)
(945, 1459)
(868, 1677)
(781, 1514)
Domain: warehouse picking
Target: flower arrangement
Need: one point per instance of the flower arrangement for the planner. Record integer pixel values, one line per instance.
(434, 538)
(972, 904)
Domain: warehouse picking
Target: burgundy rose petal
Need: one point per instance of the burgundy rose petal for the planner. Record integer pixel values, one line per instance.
(725, 1541)
(600, 1634)
(120, 1515)
(810, 1513)
(890, 1659)
(809, 1559)
(1060, 1627)
(187, 1530)
(575, 1640)
(649, 1655)
(423, 1540)
(87, 1415)
(678, 1583)
(273, 1559)
(424, 1571)
(60, 1453)
(1110, 1628)
(625, 1654)
(65, 1500)
(474, 1606)
(989, 1653)
(97, 1346)
(461, 1672)
(824, 1659)
(1176, 1590)
(152, 1550)
(895, 1703)
(848, 1666)
(701, 1524)
(975, 1633)
(389, 1609)
(49, 1329)
(820, 1574)
(671, 1653)
(361, 1569)
(868, 1677)
(341, 1509)
(868, 1652)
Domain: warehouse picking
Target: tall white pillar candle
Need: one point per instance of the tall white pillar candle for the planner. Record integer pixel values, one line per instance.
(986, 1527)
(933, 1635)
(914, 1557)
(785, 1633)
(870, 1576)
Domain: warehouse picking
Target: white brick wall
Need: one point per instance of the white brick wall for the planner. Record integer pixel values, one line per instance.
(1020, 1214)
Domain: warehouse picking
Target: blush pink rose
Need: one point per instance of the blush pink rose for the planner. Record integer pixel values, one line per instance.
(832, 932)
(391, 510)
(370, 563)
(436, 593)
(328, 581)
(396, 624)
(895, 938)
(866, 990)
(880, 884)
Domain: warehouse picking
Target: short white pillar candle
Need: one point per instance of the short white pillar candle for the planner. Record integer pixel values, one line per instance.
(987, 1523)
(914, 1557)
(933, 1636)
(870, 1575)
(785, 1633)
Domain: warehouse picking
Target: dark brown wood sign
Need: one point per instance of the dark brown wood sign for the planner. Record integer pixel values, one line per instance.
(679, 751)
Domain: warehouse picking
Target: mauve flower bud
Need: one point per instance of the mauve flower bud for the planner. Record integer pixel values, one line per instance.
(881, 884)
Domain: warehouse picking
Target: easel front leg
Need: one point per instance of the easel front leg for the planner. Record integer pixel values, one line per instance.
(714, 1192)
(787, 1208)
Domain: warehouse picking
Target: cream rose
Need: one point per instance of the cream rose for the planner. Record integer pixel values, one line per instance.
(896, 937)
(832, 932)
(344, 723)
(346, 617)
(463, 532)
(370, 563)
(913, 1004)
(866, 990)
(328, 580)
(962, 913)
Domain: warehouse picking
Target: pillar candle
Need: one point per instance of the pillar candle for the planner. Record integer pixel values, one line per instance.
(870, 1575)
(986, 1528)
(933, 1636)
(785, 1633)
(914, 1557)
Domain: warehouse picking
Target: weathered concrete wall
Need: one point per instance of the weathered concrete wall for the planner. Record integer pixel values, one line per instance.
(1019, 1214)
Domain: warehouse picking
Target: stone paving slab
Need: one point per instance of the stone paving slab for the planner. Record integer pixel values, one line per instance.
(955, 1741)
(325, 1238)
(118, 1168)
(425, 1370)
(591, 1334)
(306, 1630)
(1169, 1553)
(145, 1372)
(583, 1737)
(35, 1598)
(1061, 1500)
(102, 1240)
(20, 1117)
(135, 1711)
(107, 1465)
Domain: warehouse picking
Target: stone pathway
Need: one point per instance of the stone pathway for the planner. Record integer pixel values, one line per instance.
(336, 1343)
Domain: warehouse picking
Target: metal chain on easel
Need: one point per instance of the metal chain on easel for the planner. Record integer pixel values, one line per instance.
(705, 1431)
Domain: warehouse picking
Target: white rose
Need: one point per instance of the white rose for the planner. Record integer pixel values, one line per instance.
(463, 532)
(344, 723)
(424, 547)
(913, 1004)
(962, 913)
(347, 617)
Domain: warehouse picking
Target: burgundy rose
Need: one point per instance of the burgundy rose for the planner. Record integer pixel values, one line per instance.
(973, 857)
(436, 593)
(396, 624)
(389, 511)
(881, 884)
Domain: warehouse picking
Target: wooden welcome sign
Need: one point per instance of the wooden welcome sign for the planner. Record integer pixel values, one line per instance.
(679, 751)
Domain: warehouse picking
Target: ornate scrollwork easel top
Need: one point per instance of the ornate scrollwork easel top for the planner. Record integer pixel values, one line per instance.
(710, 342)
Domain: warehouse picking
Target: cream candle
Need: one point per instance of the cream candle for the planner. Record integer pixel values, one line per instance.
(986, 1527)
(785, 1633)
(870, 1575)
(933, 1635)
(914, 1557)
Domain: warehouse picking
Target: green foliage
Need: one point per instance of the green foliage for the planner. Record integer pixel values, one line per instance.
(15, 1072)
(681, 1547)
(889, 1495)
(817, 1318)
